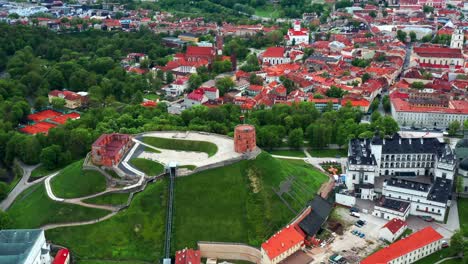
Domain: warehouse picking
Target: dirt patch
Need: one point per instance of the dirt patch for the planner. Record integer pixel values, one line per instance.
(335, 227)
(254, 180)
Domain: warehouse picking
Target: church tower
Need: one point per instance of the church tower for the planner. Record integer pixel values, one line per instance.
(457, 39)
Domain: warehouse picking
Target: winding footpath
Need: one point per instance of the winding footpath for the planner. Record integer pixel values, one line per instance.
(21, 186)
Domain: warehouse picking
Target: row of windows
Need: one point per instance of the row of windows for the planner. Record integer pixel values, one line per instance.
(409, 157)
(408, 165)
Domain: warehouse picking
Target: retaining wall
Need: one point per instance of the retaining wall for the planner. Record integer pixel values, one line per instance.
(229, 251)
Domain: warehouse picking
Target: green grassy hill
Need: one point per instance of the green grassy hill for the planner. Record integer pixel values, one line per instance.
(149, 167)
(233, 203)
(183, 145)
(33, 209)
(74, 182)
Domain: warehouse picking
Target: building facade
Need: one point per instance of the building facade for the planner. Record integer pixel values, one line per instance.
(109, 149)
(24, 246)
(72, 100)
(244, 139)
(409, 250)
(275, 55)
(393, 229)
(417, 171)
(407, 113)
(282, 245)
(297, 35)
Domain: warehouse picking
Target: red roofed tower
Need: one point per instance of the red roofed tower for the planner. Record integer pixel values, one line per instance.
(219, 43)
(244, 138)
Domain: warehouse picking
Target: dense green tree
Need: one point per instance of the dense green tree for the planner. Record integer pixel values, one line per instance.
(401, 35)
(194, 81)
(169, 77)
(335, 92)
(454, 127)
(3, 194)
(412, 35)
(296, 138)
(5, 220)
(386, 103)
(50, 156)
(365, 77)
(221, 66)
(58, 103)
(224, 84)
(417, 85)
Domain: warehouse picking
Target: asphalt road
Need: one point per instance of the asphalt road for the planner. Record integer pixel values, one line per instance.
(22, 185)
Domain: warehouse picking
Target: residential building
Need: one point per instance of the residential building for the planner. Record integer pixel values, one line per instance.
(188, 256)
(24, 246)
(388, 208)
(419, 113)
(177, 87)
(393, 229)
(72, 100)
(297, 35)
(323, 103)
(109, 149)
(418, 171)
(282, 245)
(201, 95)
(244, 139)
(275, 55)
(408, 250)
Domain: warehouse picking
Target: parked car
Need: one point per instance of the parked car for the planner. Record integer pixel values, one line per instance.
(360, 223)
(445, 244)
(354, 209)
(354, 214)
(427, 218)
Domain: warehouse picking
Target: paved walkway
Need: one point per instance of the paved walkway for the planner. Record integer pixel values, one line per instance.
(22, 185)
(443, 260)
(90, 222)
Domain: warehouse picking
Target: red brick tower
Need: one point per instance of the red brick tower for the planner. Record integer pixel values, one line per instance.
(244, 138)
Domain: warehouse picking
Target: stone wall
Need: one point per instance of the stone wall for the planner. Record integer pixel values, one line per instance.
(229, 251)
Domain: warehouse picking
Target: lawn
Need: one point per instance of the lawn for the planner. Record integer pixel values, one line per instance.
(149, 167)
(33, 209)
(463, 214)
(148, 149)
(288, 152)
(325, 153)
(433, 258)
(74, 182)
(184, 145)
(135, 234)
(238, 198)
(109, 199)
(267, 11)
(41, 171)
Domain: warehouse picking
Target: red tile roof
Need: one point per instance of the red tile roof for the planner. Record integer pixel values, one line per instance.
(438, 52)
(455, 107)
(196, 95)
(187, 256)
(404, 246)
(200, 51)
(274, 52)
(395, 224)
(61, 257)
(282, 241)
(68, 95)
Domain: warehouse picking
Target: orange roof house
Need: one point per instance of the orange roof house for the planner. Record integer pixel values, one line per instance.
(109, 149)
(407, 248)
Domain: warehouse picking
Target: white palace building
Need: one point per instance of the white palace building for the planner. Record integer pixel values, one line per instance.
(404, 175)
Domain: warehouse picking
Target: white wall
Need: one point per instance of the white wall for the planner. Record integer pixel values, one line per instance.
(346, 200)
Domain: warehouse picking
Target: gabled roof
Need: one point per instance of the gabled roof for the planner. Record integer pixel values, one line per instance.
(282, 241)
(404, 246)
(394, 225)
(274, 52)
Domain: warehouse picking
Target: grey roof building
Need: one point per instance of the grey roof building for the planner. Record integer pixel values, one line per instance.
(24, 246)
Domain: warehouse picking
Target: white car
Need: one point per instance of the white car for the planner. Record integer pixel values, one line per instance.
(355, 214)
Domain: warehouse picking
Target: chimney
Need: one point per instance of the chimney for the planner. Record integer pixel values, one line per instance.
(410, 141)
(422, 141)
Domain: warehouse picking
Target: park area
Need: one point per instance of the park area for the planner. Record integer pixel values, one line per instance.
(240, 198)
